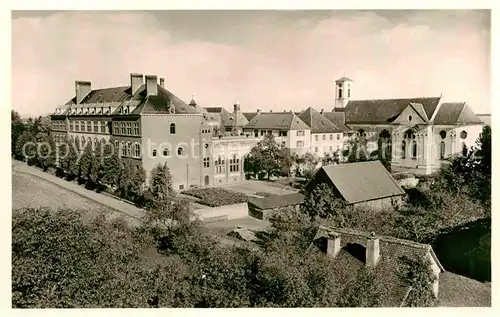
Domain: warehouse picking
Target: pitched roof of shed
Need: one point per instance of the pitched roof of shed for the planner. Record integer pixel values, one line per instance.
(363, 181)
(277, 120)
(351, 259)
(276, 201)
(456, 113)
(317, 122)
(384, 110)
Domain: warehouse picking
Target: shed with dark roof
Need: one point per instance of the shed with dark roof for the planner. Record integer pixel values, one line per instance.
(261, 207)
(360, 184)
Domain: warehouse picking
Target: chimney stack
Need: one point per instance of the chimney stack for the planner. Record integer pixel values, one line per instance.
(162, 82)
(258, 110)
(82, 89)
(372, 250)
(270, 111)
(136, 80)
(151, 85)
(333, 244)
(321, 111)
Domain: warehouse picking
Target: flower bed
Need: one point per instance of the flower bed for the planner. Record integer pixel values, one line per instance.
(215, 197)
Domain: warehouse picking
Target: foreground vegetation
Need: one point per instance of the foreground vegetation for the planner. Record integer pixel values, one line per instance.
(61, 260)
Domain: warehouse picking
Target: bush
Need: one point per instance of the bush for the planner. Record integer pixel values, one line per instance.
(215, 197)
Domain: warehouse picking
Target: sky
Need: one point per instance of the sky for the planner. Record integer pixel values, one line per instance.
(269, 60)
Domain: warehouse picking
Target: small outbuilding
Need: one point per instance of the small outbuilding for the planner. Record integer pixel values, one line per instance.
(261, 207)
(362, 184)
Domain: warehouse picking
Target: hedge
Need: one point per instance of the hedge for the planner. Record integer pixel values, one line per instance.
(215, 197)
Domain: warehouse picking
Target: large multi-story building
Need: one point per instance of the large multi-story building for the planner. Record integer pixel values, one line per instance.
(150, 125)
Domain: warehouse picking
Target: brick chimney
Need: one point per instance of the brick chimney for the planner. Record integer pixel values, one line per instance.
(136, 80)
(162, 82)
(151, 85)
(372, 250)
(82, 89)
(333, 244)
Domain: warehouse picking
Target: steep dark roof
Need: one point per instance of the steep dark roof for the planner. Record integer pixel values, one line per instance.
(317, 122)
(276, 120)
(276, 201)
(351, 259)
(362, 181)
(456, 113)
(384, 110)
(159, 103)
(249, 115)
(337, 118)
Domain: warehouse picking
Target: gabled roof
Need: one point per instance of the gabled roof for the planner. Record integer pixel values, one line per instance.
(152, 104)
(337, 118)
(379, 111)
(351, 259)
(456, 113)
(277, 120)
(343, 79)
(317, 122)
(276, 201)
(362, 181)
(419, 108)
(250, 115)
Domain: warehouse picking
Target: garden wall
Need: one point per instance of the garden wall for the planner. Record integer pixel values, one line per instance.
(211, 214)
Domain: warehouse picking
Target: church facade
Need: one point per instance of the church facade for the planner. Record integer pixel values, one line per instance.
(420, 133)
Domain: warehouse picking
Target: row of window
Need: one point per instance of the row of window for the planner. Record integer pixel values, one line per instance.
(58, 125)
(316, 137)
(413, 149)
(129, 149)
(126, 128)
(93, 110)
(330, 148)
(88, 126)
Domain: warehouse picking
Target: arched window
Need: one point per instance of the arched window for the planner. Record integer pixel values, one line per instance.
(124, 148)
(166, 152)
(82, 142)
(137, 150)
(154, 153)
(180, 151)
(442, 150)
(234, 164)
(129, 149)
(172, 128)
(403, 149)
(220, 167)
(442, 133)
(463, 135)
(414, 150)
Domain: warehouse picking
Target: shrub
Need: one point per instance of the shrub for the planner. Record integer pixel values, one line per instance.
(215, 197)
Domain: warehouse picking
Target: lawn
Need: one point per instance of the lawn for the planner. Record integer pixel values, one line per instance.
(31, 192)
(460, 291)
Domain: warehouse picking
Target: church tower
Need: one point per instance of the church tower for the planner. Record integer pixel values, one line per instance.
(343, 93)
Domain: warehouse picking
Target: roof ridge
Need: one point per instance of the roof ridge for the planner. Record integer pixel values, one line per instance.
(405, 98)
(418, 245)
